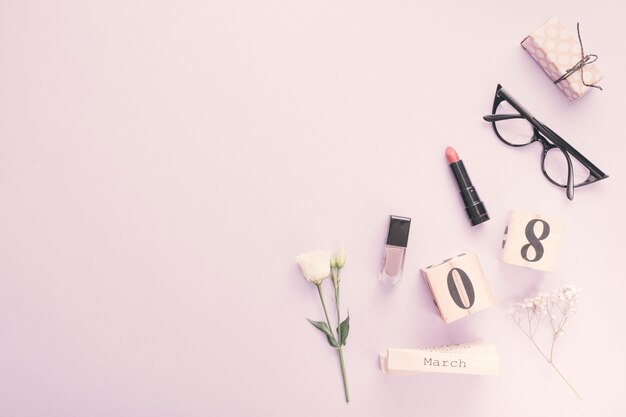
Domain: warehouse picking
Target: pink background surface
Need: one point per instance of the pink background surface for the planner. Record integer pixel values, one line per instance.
(162, 163)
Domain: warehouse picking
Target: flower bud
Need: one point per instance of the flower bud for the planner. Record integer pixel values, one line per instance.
(340, 261)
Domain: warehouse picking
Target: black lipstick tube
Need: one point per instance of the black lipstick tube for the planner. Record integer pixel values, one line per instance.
(475, 208)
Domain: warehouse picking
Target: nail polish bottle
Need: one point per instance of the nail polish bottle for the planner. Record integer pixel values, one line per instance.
(393, 258)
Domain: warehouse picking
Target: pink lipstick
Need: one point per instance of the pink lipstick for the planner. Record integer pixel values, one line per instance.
(475, 208)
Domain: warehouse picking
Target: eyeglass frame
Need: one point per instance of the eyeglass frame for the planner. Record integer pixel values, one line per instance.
(548, 138)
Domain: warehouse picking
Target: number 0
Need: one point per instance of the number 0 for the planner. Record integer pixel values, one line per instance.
(467, 286)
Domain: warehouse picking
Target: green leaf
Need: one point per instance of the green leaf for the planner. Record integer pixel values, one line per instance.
(344, 329)
(323, 327)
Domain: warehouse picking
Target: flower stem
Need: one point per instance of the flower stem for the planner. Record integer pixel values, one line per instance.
(338, 310)
(319, 290)
(340, 348)
(549, 360)
(343, 374)
(566, 381)
(540, 351)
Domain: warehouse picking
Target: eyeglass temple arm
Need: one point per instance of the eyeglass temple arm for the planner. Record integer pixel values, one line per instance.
(570, 178)
(498, 117)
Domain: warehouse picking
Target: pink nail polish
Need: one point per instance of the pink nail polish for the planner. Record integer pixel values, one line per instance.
(393, 258)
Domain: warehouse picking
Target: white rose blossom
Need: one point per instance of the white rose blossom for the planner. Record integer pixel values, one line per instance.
(315, 265)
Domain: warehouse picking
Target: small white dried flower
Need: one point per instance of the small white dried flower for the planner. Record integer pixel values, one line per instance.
(560, 305)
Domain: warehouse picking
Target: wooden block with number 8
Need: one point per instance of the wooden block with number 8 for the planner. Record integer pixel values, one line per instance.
(458, 286)
(532, 240)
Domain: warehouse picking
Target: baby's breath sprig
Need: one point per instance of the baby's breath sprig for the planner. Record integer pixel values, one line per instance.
(554, 309)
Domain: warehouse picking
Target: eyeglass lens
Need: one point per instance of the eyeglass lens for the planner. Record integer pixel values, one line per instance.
(515, 132)
(519, 132)
(555, 167)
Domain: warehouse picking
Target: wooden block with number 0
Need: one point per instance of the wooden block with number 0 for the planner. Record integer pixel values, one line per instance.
(458, 286)
(532, 240)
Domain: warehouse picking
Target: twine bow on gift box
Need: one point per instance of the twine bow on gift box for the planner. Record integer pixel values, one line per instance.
(585, 60)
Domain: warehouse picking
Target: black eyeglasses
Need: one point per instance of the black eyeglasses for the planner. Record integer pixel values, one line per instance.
(515, 126)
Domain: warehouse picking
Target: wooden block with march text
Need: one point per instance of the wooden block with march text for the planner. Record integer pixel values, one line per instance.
(458, 286)
(532, 240)
(476, 358)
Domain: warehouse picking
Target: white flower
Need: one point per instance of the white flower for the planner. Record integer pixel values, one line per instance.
(558, 306)
(340, 261)
(315, 265)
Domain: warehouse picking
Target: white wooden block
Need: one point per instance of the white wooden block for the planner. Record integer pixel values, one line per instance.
(476, 358)
(532, 240)
(458, 286)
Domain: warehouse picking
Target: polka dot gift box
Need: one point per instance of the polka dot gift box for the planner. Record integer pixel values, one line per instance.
(558, 52)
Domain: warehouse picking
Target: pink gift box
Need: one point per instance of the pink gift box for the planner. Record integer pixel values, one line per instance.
(557, 51)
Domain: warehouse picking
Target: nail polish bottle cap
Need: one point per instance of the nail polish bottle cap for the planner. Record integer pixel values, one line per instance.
(398, 231)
